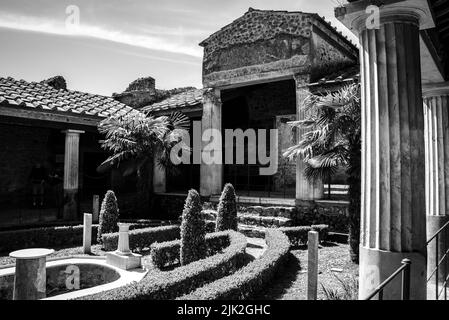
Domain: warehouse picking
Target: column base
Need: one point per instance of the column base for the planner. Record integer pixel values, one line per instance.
(70, 211)
(377, 265)
(211, 180)
(434, 223)
(125, 262)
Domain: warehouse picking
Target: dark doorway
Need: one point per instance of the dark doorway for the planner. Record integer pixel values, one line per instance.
(184, 177)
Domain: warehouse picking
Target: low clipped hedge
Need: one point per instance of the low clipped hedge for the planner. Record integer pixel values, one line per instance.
(54, 236)
(171, 284)
(249, 280)
(167, 253)
(48, 237)
(298, 235)
(139, 239)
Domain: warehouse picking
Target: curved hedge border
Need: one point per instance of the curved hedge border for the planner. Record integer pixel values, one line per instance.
(298, 235)
(171, 284)
(167, 253)
(250, 279)
(140, 239)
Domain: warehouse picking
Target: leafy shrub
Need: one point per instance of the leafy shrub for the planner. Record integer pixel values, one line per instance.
(323, 231)
(171, 284)
(193, 230)
(139, 239)
(350, 290)
(227, 210)
(210, 226)
(108, 215)
(298, 235)
(246, 282)
(168, 253)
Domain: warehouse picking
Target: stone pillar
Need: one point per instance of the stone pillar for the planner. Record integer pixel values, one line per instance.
(30, 277)
(159, 178)
(305, 189)
(87, 233)
(393, 220)
(312, 265)
(123, 239)
(211, 175)
(71, 173)
(436, 123)
(95, 208)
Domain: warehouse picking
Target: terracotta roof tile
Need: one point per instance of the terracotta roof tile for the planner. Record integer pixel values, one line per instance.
(14, 93)
(181, 100)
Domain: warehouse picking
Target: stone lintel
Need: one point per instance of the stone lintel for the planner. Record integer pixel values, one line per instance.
(355, 15)
(250, 75)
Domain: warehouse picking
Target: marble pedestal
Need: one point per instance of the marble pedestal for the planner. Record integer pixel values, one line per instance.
(123, 258)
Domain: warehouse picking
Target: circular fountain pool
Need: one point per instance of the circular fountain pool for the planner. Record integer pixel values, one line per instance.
(73, 277)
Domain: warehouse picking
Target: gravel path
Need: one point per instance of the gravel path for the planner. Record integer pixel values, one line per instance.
(291, 282)
(256, 247)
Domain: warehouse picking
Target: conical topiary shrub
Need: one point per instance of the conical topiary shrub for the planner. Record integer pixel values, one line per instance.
(227, 210)
(193, 230)
(108, 215)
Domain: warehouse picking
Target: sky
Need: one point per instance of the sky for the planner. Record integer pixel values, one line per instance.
(100, 46)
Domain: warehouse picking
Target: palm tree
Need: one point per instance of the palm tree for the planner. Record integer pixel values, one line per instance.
(331, 140)
(135, 140)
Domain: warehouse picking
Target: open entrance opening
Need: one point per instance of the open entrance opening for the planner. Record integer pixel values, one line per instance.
(262, 106)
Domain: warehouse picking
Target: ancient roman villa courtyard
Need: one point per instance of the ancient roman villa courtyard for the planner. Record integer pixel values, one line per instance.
(311, 163)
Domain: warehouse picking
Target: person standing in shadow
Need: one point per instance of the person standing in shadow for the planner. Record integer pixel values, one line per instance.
(55, 180)
(38, 176)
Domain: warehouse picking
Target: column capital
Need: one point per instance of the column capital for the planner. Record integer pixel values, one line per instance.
(73, 131)
(301, 80)
(213, 95)
(358, 16)
(435, 89)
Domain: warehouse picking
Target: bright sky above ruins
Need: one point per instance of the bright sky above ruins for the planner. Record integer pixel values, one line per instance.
(118, 41)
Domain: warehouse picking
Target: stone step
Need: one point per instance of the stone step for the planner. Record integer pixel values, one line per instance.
(253, 219)
(284, 212)
(254, 200)
(252, 231)
(268, 221)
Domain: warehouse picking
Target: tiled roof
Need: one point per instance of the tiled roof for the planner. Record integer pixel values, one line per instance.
(348, 74)
(42, 97)
(181, 100)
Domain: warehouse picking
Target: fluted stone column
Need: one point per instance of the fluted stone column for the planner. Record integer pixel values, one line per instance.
(71, 173)
(306, 190)
(436, 116)
(211, 175)
(393, 220)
